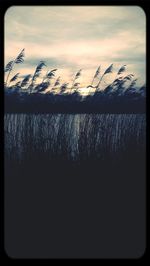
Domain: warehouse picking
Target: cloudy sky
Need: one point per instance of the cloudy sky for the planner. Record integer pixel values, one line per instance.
(77, 37)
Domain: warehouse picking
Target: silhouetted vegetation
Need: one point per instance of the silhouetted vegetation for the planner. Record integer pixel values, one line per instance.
(26, 95)
(74, 137)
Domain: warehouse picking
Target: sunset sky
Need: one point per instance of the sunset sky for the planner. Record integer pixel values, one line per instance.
(77, 37)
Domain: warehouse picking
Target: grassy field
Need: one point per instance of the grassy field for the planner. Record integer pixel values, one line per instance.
(75, 182)
(73, 137)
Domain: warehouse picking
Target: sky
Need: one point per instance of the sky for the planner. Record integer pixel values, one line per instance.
(70, 38)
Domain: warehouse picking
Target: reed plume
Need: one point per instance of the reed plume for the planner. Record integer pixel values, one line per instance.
(9, 67)
(63, 87)
(50, 74)
(57, 82)
(78, 74)
(37, 73)
(107, 71)
(25, 80)
(14, 77)
(96, 75)
(121, 70)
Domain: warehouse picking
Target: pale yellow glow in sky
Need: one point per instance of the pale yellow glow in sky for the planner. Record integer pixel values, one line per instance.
(76, 37)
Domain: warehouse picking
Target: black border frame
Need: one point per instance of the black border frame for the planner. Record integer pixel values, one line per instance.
(4, 5)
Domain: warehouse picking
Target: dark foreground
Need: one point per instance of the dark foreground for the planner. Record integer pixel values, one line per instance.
(74, 103)
(75, 186)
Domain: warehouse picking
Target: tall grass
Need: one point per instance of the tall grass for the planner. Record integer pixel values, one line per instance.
(76, 137)
(51, 74)
(122, 93)
(9, 67)
(107, 71)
